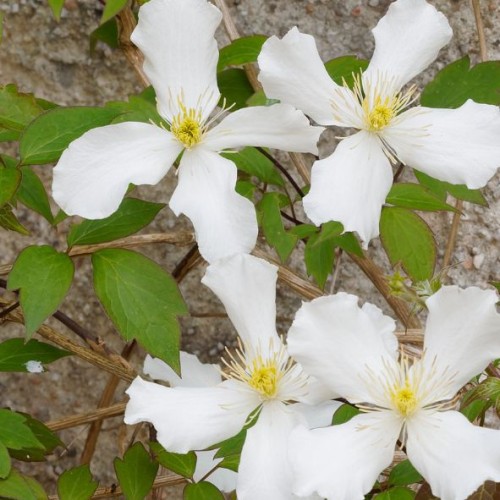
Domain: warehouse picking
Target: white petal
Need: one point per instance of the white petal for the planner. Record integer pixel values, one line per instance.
(177, 40)
(224, 479)
(264, 471)
(194, 373)
(95, 171)
(350, 186)
(386, 327)
(344, 461)
(188, 418)
(292, 71)
(454, 456)
(224, 222)
(319, 415)
(462, 332)
(460, 145)
(407, 39)
(246, 285)
(280, 126)
(336, 341)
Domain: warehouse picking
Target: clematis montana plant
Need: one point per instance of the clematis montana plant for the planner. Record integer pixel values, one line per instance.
(459, 146)
(177, 40)
(261, 381)
(347, 350)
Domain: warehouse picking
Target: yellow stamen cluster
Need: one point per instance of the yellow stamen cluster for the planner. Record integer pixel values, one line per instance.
(187, 126)
(380, 116)
(404, 399)
(264, 377)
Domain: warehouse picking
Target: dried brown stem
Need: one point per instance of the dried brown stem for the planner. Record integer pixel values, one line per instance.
(5, 269)
(376, 276)
(483, 50)
(181, 238)
(126, 24)
(112, 364)
(87, 418)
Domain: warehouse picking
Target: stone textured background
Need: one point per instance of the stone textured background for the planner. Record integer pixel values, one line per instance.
(52, 60)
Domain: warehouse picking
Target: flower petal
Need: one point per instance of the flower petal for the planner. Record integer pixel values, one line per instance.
(350, 186)
(264, 471)
(189, 418)
(462, 332)
(224, 222)
(291, 70)
(95, 171)
(336, 341)
(454, 456)
(177, 40)
(280, 126)
(344, 461)
(246, 285)
(454, 145)
(319, 415)
(224, 479)
(407, 39)
(194, 373)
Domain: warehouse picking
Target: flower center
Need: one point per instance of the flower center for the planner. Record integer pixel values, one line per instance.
(270, 372)
(187, 127)
(380, 116)
(404, 399)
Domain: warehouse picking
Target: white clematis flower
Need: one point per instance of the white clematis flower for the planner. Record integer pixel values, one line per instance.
(177, 40)
(341, 345)
(261, 377)
(460, 146)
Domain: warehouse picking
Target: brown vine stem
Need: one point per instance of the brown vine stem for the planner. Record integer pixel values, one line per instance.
(483, 53)
(111, 365)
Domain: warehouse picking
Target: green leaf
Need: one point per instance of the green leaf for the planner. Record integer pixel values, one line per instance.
(17, 109)
(106, 33)
(475, 409)
(19, 487)
(241, 51)
(232, 463)
(319, 257)
(202, 491)
(459, 191)
(9, 221)
(5, 463)
(272, 225)
(260, 99)
(56, 6)
(343, 68)
(397, 493)
(43, 276)
(231, 446)
(416, 197)
(141, 299)
(246, 189)
(458, 82)
(253, 162)
(234, 88)
(131, 216)
(344, 414)
(136, 472)
(15, 353)
(139, 108)
(48, 439)
(403, 474)
(9, 182)
(51, 133)
(304, 230)
(408, 240)
(348, 243)
(76, 484)
(112, 8)
(32, 194)
(183, 464)
(15, 433)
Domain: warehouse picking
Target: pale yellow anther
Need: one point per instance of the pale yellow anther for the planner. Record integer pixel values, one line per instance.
(404, 400)
(187, 127)
(264, 377)
(379, 117)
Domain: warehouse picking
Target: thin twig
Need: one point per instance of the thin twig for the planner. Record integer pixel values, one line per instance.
(283, 170)
(301, 166)
(483, 49)
(86, 418)
(181, 238)
(5, 269)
